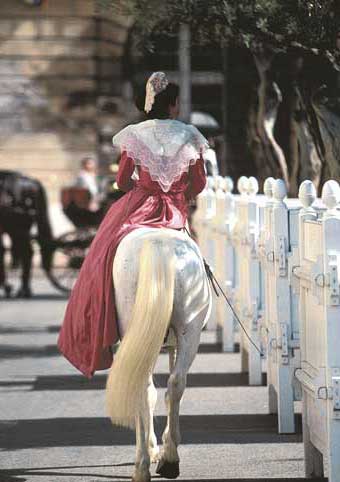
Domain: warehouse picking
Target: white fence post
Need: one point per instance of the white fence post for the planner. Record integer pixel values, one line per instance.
(283, 327)
(320, 330)
(219, 247)
(224, 268)
(331, 266)
(254, 287)
(236, 238)
(228, 334)
(265, 251)
(247, 289)
(277, 248)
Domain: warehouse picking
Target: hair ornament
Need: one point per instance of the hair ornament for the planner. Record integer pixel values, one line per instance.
(156, 83)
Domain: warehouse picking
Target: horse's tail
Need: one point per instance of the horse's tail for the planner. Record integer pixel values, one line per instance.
(138, 352)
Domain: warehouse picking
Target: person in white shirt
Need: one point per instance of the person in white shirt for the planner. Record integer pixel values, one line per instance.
(87, 177)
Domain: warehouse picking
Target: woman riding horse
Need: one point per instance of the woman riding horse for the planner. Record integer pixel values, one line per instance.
(159, 282)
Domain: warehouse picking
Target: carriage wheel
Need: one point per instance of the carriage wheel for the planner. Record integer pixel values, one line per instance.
(68, 257)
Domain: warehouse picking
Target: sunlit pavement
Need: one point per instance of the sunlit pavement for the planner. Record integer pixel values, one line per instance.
(53, 424)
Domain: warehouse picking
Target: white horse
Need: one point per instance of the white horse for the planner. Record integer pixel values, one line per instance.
(160, 287)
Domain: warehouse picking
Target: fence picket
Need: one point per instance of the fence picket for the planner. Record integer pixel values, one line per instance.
(279, 262)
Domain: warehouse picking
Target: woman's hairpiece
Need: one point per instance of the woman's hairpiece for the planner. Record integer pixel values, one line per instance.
(156, 83)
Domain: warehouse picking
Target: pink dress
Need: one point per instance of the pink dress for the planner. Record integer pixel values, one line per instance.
(90, 326)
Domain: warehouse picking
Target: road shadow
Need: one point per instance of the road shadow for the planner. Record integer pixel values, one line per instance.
(210, 348)
(53, 328)
(28, 330)
(265, 479)
(98, 382)
(196, 429)
(11, 475)
(216, 348)
(38, 297)
(20, 351)
(102, 477)
(10, 478)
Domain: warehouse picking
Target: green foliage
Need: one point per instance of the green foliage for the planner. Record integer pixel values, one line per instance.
(311, 23)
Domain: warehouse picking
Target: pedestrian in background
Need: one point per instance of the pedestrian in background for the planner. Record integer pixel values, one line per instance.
(87, 179)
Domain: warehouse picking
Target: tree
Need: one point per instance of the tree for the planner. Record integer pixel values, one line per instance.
(293, 98)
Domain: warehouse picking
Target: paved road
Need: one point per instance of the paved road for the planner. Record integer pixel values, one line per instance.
(53, 426)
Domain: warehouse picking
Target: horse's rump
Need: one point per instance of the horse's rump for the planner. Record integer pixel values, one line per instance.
(159, 282)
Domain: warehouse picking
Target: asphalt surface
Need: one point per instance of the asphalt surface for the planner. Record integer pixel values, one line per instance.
(53, 426)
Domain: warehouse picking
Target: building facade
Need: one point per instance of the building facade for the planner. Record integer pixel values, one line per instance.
(61, 87)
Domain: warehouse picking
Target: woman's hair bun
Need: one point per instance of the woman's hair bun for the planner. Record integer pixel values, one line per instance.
(160, 108)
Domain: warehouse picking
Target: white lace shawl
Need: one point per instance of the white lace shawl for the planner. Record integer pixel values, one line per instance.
(165, 148)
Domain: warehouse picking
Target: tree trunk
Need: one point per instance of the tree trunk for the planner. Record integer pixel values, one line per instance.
(287, 133)
(268, 157)
(250, 117)
(329, 125)
(295, 128)
(321, 94)
(310, 163)
(269, 125)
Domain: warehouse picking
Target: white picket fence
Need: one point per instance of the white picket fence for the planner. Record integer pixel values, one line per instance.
(278, 261)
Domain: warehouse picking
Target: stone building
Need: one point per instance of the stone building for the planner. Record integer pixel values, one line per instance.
(66, 71)
(61, 87)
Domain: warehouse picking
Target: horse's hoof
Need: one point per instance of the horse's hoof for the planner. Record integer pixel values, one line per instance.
(141, 478)
(24, 293)
(169, 470)
(8, 291)
(154, 455)
(142, 472)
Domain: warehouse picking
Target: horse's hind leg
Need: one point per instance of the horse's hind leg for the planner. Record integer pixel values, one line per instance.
(150, 434)
(187, 347)
(26, 256)
(146, 441)
(3, 281)
(142, 465)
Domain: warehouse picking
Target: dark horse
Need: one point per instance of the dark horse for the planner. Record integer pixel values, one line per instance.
(23, 205)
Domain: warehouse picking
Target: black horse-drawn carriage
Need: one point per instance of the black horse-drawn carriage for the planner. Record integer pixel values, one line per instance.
(71, 247)
(23, 206)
